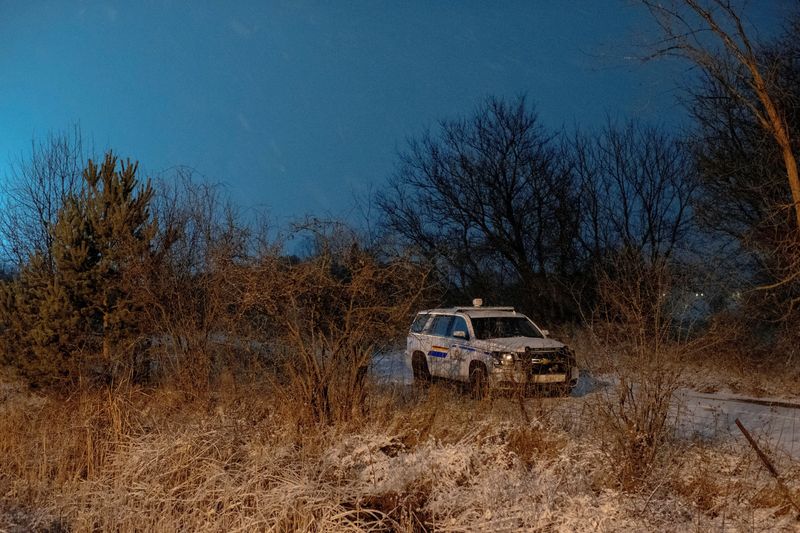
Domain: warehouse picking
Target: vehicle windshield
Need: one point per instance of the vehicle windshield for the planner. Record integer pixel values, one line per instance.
(498, 327)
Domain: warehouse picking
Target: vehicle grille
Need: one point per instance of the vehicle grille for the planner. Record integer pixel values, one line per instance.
(545, 361)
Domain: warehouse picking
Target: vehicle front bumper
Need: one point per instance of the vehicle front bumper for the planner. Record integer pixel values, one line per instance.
(510, 377)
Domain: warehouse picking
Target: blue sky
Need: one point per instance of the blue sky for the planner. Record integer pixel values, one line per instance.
(299, 105)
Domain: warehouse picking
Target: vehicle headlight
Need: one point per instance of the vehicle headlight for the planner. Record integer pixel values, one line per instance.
(504, 358)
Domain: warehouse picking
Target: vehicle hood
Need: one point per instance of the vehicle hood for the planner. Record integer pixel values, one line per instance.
(516, 344)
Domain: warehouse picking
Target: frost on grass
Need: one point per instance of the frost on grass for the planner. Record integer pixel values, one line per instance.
(480, 483)
(440, 462)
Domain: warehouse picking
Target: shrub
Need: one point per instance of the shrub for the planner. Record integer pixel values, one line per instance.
(334, 311)
(640, 344)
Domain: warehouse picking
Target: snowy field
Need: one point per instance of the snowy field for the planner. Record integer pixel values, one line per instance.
(431, 461)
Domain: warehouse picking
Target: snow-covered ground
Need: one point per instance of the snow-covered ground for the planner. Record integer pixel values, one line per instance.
(436, 461)
(392, 367)
(774, 422)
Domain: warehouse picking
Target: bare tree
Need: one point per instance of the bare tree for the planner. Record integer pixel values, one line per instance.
(188, 291)
(34, 192)
(491, 200)
(637, 183)
(712, 34)
(747, 113)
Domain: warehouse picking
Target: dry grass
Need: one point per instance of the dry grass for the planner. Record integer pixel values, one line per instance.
(132, 460)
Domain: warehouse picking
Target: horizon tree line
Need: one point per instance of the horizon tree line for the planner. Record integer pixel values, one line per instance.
(105, 268)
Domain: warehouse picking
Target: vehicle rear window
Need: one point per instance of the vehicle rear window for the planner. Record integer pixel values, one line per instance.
(498, 327)
(419, 323)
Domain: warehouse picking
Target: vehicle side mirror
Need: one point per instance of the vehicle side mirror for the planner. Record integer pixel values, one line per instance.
(460, 334)
(545, 332)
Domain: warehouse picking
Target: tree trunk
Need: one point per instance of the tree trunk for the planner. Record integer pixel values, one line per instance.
(781, 134)
(794, 180)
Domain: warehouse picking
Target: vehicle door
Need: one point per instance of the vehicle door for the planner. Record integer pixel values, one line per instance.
(453, 366)
(438, 343)
(416, 336)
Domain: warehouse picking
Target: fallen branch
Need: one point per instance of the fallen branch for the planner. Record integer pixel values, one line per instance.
(770, 467)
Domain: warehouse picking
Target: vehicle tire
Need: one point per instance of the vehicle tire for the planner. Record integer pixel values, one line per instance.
(419, 367)
(478, 383)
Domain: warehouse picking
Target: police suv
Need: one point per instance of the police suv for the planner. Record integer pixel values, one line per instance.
(488, 348)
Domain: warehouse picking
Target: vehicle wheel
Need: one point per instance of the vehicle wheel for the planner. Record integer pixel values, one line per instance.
(419, 366)
(478, 383)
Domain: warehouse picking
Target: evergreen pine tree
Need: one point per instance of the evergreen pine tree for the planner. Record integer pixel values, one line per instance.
(82, 317)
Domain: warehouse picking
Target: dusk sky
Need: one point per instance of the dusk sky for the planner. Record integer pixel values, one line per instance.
(299, 105)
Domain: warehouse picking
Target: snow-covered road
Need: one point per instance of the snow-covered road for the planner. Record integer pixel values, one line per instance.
(774, 422)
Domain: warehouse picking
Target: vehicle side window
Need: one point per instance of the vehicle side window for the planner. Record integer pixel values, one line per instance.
(419, 323)
(458, 324)
(440, 326)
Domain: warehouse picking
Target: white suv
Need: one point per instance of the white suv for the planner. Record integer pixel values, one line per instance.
(487, 347)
